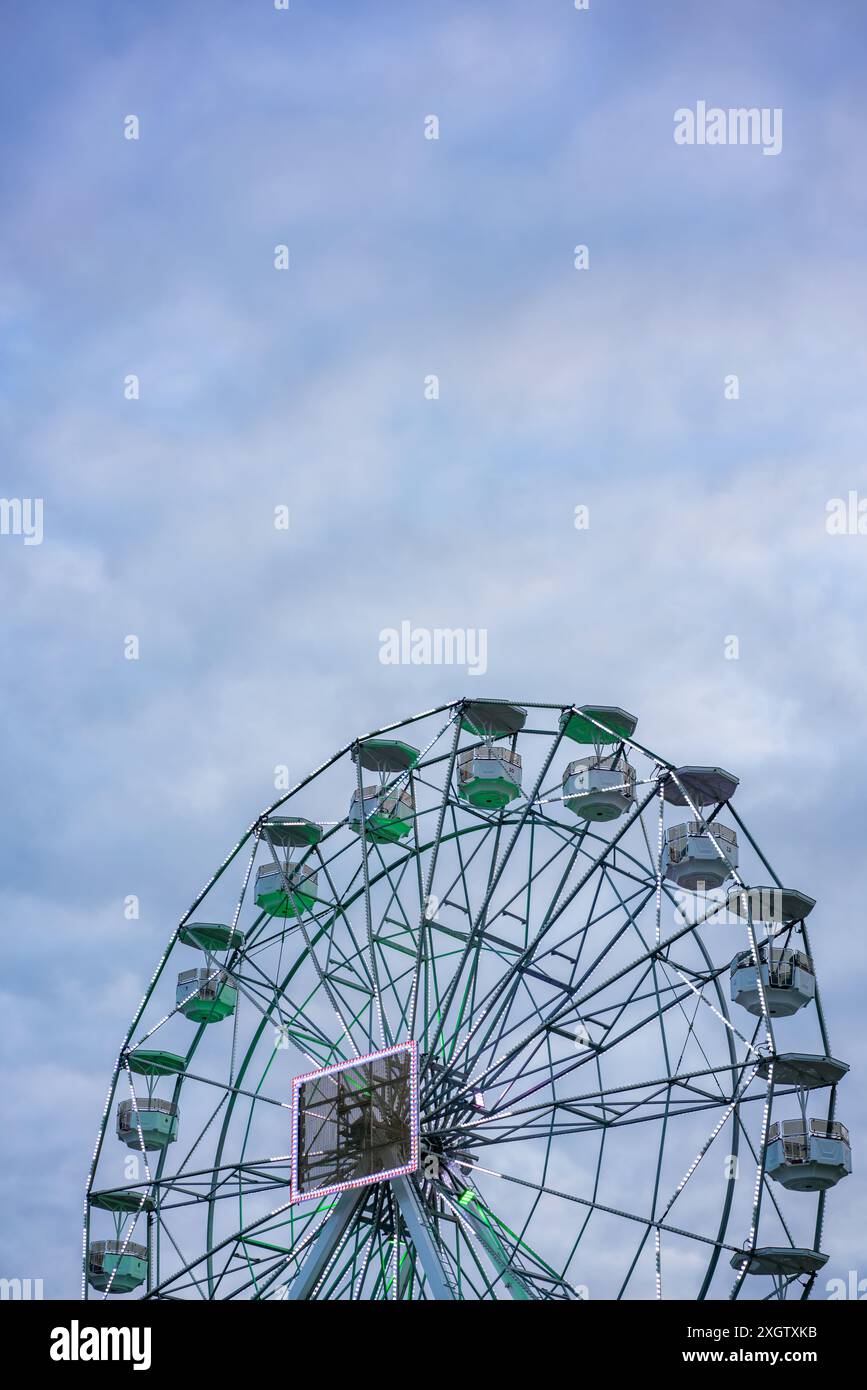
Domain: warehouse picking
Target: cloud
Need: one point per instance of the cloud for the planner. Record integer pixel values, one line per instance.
(558, 387)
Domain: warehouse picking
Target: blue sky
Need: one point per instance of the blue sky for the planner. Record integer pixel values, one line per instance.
(558, 388)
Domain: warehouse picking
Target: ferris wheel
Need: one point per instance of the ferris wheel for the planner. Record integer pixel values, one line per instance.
(464, 1016)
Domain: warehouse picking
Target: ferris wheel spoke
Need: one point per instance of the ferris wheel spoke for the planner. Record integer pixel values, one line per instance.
(495, 877)
(559, 1011)
(436, 1009)
(520, 970)
(164, 1230)
(549, 1137)
(190, 1189)
(294, 1023)
(768, 1187)
(597, 1206)
(523, 1071)
(588, 1121)
(230, 1243)
(496, 1074)
(426, 892)
(523, 964)
(582, 934)
(309, 944)
(480, 1013)
(433, 1007)
(228, 1089)
(611, 1114)
(690, 1035)
(572, 848)
(497, 1129)
(726, 1022)
(289, 1014)
(340, 913)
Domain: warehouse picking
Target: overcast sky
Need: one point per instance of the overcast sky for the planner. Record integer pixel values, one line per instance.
(559, 388)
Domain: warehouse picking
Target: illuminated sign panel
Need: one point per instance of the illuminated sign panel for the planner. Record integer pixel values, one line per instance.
(355, 1123)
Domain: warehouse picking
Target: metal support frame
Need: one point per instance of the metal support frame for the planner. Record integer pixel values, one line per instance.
(331, 1233)
(418, 1224)
(516, 1282)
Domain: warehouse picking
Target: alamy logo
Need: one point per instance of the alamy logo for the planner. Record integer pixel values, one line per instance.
(435, 646)
(853, 1287)
(76, 1343)
(730, 908)
(22, 516)
(738, 125)
(21, 1288)
(846, 516)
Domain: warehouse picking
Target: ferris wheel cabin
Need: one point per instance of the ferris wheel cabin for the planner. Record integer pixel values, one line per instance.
(381, 813)
(600, 787)
(808, 1155)
(787, 980)
(786, 974)
(116, 1266)
(385, 817)
(285, 891)
(780, 1261)
(804, 1070)
(489, 776)
(119, 1265)
(697, 854)
(206, 993)
(150, 1122)
(156, 1118)
(286, 887)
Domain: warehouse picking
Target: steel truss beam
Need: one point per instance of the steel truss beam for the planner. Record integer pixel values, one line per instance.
(332, 1231)
(418, 1223)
